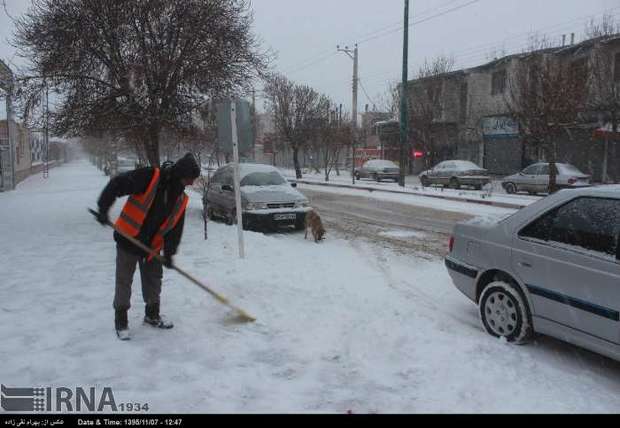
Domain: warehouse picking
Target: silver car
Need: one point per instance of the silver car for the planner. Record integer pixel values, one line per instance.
(552, 268)
(535, 179)
(456, 173)
(267, 198)
(378, 170)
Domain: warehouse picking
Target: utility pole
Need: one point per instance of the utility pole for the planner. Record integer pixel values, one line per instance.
(353, 54)
(404, 113)
(46, 167)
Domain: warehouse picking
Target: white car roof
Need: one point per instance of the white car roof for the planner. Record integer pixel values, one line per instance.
(249, 168)
(378, 162)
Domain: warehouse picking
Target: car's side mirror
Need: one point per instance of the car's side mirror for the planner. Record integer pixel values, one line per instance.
(227, 188)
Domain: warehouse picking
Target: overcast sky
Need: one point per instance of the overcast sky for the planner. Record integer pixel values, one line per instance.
(304, 34)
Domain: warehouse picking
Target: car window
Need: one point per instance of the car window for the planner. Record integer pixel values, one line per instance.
(377, 163)
(440, 166)
(544, 170)
(271, 178)
(465, 165)
(569, 169)
(531, 170)
(589, 223)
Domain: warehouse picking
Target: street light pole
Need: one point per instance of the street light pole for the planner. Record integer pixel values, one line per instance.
(353, 54)
(404, 113)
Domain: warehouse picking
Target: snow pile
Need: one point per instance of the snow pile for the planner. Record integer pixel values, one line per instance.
(341, 325)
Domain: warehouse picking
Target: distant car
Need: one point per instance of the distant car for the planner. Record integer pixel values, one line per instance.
(267, 198)
(552, 268)
(535, 178)
(378, 170)
(456, 173)
(124, 165)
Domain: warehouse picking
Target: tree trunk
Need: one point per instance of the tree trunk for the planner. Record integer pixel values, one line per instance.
(296, 162)
(151, 146)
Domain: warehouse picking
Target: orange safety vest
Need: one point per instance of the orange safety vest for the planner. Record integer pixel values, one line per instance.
(137, 207)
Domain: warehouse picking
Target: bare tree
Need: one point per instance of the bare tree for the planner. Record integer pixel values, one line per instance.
(139, 66)
(335, 136)
(426, 105)
(546, 94)
(606, 26)
(604, 92)
(295, 108)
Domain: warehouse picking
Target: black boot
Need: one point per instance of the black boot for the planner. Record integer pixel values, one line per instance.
(152, 317)
(121, 324)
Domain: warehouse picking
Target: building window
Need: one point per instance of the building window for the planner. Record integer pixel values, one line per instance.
(617, 68)
(463, 102)
(498, 82)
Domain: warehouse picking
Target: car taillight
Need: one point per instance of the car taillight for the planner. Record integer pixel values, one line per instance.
(572, 180)
(451, 244)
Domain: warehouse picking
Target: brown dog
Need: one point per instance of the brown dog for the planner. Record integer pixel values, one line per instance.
(314, 223)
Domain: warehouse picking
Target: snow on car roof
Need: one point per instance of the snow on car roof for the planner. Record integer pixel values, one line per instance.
(608, 190)
(381, 162)
(249, 168)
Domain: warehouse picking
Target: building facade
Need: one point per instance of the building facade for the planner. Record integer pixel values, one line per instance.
(471, 119)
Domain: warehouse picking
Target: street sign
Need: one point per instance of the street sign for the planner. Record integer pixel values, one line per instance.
(244, 126)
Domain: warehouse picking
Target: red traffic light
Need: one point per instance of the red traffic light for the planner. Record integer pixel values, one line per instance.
(418, 154)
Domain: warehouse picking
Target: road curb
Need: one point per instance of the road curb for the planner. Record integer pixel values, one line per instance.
(448, 198)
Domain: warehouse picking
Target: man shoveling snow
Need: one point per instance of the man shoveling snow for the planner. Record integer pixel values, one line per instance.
(154, 214)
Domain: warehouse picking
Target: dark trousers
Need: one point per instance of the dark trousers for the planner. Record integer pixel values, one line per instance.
(151, 274)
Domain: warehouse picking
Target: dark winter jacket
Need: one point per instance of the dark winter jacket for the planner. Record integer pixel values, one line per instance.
(137, 182)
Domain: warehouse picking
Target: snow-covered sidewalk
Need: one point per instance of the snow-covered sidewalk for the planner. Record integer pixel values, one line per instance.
(342, 326)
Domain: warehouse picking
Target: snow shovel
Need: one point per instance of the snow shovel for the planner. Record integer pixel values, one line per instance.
(243, 316)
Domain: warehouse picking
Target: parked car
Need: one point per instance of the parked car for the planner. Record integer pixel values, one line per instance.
(125, 164)
(535, 178)
(551, 268)
(456, 173)
(267, 198)
(378, 170)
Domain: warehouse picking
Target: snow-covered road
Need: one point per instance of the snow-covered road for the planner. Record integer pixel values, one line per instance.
(342, 326)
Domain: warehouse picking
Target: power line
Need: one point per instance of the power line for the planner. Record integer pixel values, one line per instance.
(327, 54)
(399, 24)
(420, 21)
(311, 62)
(479, 51)
(366, 93)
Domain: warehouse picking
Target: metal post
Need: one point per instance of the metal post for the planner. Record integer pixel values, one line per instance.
(353, 54)
(237, 179)
(404, 113)
(11, 135)
(47, 136)
(354, 109)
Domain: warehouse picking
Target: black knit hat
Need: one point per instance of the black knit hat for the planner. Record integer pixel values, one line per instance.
(187, 167)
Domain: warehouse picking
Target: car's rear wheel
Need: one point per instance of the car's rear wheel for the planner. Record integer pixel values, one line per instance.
(504, 313)
(424, 181)
(454, 183)
(511, 188)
